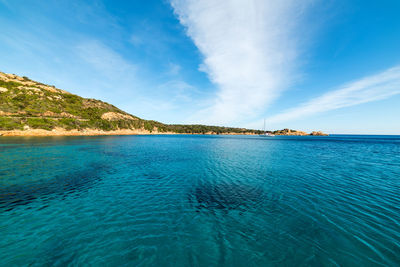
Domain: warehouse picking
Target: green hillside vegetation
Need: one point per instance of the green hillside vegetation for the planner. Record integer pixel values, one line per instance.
(26, 104)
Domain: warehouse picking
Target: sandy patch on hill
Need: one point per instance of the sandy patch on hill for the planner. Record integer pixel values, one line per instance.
(111, 116)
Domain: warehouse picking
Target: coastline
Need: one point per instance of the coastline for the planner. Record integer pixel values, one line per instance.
(74, 132)
(94, 132)
(60, 110)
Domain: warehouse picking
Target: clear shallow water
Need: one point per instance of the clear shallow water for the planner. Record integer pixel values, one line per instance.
(200, 201)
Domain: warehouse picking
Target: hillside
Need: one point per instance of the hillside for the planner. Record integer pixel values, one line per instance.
(27, 105)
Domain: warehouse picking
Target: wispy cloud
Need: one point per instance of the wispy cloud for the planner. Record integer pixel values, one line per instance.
(136, 40)
(105, 60)
(368, 89)
(249, 48)
(174, 69)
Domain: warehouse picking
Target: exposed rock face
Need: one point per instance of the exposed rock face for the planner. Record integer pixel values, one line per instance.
(59, 115)
(113, 116)
(318, 133)
(298, 133)
(290, 132)
(27, 82)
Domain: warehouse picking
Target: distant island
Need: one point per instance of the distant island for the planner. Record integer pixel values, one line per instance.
(30, 108)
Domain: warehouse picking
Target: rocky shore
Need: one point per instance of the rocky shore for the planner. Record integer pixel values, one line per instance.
(63, 132)
(298, 133)
(97, 132)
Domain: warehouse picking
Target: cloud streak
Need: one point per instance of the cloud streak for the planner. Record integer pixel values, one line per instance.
(105, 60)
(372, 88)
(249, 48)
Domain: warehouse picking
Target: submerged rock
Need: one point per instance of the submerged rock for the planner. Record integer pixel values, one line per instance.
(225, 196)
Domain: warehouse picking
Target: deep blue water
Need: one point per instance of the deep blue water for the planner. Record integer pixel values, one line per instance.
(200, 201)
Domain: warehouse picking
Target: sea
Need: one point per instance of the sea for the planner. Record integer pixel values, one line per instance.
(200, 200)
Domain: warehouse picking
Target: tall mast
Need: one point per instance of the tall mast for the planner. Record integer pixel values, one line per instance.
(264, 125)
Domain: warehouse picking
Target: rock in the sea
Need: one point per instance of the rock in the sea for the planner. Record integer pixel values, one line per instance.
(318, 133)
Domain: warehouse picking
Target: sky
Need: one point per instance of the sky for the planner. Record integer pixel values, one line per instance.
(308, 65)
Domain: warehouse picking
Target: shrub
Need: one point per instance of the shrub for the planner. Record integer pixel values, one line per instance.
(10, 124)
(41, 123)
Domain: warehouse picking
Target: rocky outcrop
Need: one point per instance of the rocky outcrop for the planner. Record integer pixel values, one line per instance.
(114, 116)
(318, 133)
(28, 82)
(298, 133)
(289, 132)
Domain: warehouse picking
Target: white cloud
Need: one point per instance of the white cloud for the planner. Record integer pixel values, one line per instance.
(368, 89)
(249, 49)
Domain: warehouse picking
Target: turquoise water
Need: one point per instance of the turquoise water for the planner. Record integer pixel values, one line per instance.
(200, 201)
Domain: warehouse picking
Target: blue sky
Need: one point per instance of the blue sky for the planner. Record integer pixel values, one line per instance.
(314, 65)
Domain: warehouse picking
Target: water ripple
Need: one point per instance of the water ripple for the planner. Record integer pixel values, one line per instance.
(200, 201)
